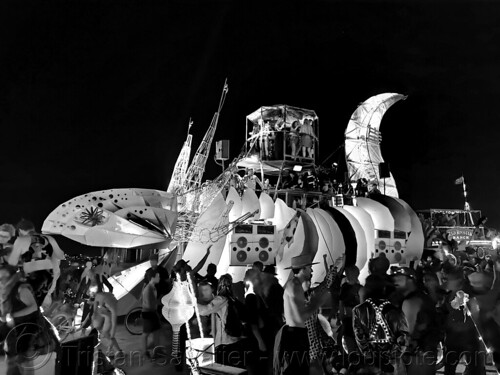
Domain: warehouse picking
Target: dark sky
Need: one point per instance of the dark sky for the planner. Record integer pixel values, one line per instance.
(97, 95)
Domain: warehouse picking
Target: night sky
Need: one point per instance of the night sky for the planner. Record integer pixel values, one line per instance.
(98, 94)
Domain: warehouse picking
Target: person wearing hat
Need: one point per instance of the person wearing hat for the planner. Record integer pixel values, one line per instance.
(423, 327)
(292, 342)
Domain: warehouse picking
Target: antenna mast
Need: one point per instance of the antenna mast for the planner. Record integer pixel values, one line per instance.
(197, 167)
(181, 165)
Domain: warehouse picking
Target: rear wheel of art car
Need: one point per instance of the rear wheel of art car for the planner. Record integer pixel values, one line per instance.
(63, 324)
(133, 321)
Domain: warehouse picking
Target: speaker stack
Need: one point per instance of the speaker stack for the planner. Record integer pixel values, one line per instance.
(382, 243)
(222, 150)
(251, 243)
(398, 247)
(384, 170)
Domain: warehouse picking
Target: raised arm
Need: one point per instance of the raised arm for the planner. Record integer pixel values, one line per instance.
(319, 292)
(201, 263)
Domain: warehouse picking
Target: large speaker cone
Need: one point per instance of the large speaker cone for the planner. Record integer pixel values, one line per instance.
(397, 246)
(264, 242)
(242, 242)
(241, 256)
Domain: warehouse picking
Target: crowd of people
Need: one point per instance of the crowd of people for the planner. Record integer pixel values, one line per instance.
(307, 180)
(271, 135)
(26, 330)
(401, 320)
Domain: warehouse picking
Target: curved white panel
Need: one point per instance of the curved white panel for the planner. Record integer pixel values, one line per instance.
(360, 237)
(282, 214)
(289, 252)
(325, 246)
(381, 216)
(266, 206)
(127, 279)
(250, 203)
(416, 239)
(366, 222)
(232, 195)
(338, 244)
(224, 261)
(196, 250)
(402, 220)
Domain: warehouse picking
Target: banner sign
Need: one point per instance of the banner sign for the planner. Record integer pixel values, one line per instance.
(460, 234)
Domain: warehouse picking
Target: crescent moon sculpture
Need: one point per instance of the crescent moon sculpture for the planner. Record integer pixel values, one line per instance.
(363, 137)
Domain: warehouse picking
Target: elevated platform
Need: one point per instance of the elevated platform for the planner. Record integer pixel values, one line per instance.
(298, 198)
(273, 167)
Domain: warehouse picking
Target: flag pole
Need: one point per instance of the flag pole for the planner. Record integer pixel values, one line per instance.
(466, 204)
(464, 186)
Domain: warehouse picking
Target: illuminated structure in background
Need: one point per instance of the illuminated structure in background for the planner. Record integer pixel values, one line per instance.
(363, 138)
(191, 198)
(176, 183)
(195, 172)
(209, 211)
(304, 221)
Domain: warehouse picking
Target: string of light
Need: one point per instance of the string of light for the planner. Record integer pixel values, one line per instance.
(195, 304)
(380, 322)
(184, 303)
(461, 301)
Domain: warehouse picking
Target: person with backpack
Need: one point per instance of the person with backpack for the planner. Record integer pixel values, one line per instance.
(227, 324)
(380, 329)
